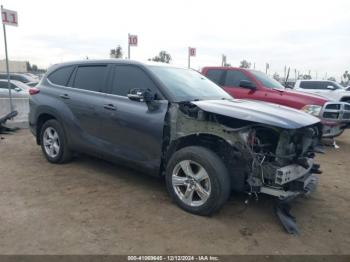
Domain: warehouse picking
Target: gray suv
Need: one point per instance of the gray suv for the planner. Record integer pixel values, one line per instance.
(174, 122)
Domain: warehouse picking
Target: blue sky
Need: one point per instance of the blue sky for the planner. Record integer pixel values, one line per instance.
(306, 35)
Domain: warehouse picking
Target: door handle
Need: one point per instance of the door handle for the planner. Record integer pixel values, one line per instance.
(65, 96)
(110, 107)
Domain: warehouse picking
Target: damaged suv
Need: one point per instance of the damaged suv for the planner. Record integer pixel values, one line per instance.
(174, 122)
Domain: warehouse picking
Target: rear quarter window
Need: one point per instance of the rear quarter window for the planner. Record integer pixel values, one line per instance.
(61, 75)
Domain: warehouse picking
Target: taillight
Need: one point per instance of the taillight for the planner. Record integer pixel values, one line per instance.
(34, 91)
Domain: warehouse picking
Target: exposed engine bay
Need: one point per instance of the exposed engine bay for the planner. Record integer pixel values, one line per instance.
(264, 158)
(282, 161)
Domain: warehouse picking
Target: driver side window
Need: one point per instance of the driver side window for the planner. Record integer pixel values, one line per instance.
(128, 77)
(234, 77)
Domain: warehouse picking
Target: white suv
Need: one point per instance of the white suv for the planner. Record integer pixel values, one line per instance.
(329, 89)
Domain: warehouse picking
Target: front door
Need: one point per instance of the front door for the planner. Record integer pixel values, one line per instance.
(133, 130)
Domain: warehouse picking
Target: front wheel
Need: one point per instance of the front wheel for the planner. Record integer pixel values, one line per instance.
(198, 180)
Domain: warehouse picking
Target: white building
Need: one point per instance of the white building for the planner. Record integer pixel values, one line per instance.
(14, 66)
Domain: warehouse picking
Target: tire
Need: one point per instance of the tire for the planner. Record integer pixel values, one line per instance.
(56, 142)
(180, 186)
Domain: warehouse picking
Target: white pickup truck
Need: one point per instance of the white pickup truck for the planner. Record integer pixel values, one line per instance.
(329, 89)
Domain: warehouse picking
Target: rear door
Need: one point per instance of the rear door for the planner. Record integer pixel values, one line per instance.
(133, 130)
(85, 98)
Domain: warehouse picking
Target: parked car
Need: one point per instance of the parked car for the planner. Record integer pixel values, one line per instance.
(329, 89)
(18, 89)
(252, 84)
(174, 122)
(24, 78)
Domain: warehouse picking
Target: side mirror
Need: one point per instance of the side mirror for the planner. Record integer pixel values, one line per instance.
(141, 95)
(247, 84)
(17, 89)
(330, 87)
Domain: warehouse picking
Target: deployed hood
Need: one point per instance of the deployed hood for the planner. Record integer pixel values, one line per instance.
(260, 112)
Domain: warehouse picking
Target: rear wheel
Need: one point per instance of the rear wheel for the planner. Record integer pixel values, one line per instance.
(198, 180)
(54, 143)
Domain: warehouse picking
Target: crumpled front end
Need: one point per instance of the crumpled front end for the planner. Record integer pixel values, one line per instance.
(282, 161)
(262, 158)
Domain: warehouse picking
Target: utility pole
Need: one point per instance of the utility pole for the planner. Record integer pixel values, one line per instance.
(267, 66)
(8, 18)
(223, 60)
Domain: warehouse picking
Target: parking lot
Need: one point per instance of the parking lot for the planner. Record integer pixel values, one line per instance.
(90, 206)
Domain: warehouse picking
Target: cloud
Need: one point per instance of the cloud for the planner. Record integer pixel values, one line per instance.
(307, 35)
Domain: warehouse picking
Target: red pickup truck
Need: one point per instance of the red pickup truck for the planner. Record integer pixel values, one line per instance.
(252, 84)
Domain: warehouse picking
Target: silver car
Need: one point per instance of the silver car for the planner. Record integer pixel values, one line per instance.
(18, 89)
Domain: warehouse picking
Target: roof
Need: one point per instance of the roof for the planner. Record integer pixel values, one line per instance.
(110, 61)
(115, 61)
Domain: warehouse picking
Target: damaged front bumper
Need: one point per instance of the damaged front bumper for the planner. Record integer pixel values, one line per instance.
(308, 184)
(303, 185)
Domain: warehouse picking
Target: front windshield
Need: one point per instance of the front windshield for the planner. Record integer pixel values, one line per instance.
(266, 81)
(187, 84)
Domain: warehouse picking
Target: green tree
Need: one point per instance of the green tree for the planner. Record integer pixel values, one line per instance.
(276, 76)
(163, 57)
(345, 81)
(245, 64)
(306, 77)
(29, 67)
(117, 52)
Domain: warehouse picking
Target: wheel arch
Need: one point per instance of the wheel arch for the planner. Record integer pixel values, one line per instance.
(230, 155)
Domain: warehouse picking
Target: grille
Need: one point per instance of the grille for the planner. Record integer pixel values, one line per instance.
(333, 106)
(346, 116)
(336, 111)
(331, 115)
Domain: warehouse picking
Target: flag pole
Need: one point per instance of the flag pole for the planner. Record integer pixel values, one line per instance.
(7, 66)
(129, 46)
(189, 58)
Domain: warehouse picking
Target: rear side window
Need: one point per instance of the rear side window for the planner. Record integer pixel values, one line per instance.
(91, 78)
(234, 77)
(313, 85)
(215, 75)
(131, 77)
(61, 75)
